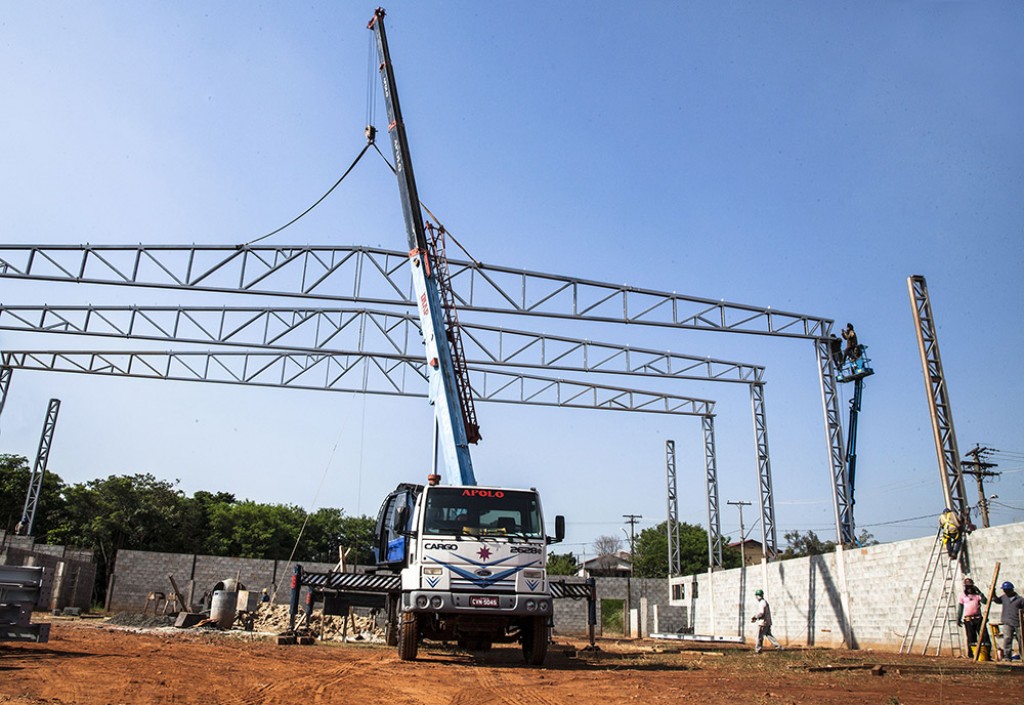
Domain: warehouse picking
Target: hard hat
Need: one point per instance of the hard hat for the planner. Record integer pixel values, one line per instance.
(1007, 585)
(760, 593)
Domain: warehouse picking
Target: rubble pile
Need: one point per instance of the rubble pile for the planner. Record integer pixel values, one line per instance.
(360, 627)
(141, 621)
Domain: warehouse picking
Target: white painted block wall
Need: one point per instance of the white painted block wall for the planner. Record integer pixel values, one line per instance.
(870, 596)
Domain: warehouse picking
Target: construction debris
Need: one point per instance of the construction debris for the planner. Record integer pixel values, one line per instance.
(360, 627)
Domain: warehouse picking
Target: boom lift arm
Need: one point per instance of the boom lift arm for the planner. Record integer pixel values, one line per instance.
(449, 413)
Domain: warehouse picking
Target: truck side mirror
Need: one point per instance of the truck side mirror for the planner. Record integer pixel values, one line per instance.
(559, 530)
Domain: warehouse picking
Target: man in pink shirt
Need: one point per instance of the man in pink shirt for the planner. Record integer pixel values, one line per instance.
(968, 614)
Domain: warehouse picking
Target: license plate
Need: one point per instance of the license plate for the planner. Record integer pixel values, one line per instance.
(483, 602)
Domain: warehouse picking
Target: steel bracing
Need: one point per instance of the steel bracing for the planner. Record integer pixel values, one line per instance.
(395, 376)
(35, 482)
(364, 330)
(675, 556)
(953, 490)
(378, 276)
(711, 481)
(842, 506)
(5, 383)
(769, 541)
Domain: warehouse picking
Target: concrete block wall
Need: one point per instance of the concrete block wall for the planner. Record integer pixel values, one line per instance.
(69, 575)
(861, 597)
(137, 573)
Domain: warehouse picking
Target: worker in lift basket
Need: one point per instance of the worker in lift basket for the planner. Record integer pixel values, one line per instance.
(852, 346)
(1010, 619)
(763, 617)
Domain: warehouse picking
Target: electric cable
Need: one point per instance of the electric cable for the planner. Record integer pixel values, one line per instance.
(319, 200)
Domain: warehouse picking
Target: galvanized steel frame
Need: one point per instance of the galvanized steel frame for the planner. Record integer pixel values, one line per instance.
(394, 376)
(953, 490)
(377, 276)
(35, 482)
(349, 273)
(675, 557)
(334, 329)
(711, 484)
(841, 504)
(764, 472)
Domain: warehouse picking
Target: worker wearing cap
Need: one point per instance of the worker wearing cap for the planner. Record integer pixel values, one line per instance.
(1009, 618)
(968, 614)
(763, 617)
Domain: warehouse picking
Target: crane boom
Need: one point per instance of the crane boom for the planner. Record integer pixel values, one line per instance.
(444, 394)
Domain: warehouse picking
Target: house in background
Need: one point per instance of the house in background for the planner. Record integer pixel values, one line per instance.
(751, 551)
(610, 565)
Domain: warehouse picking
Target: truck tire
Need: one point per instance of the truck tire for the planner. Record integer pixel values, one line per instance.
(408, 636)
(535, 641)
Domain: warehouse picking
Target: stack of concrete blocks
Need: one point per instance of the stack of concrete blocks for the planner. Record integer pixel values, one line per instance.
(69, 576)
(856, 598)
(19, 593)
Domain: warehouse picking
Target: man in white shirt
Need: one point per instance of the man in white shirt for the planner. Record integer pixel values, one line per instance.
(763, 617)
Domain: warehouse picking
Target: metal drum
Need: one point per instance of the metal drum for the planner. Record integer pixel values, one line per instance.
(224, 605)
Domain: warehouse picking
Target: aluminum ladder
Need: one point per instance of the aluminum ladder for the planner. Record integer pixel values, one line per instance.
(943, 624)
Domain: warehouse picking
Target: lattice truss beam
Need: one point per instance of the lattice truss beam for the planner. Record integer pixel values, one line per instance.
(364, 330)
(378, 276)
(399, 376)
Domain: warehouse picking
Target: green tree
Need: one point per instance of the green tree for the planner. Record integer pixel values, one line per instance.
(328, 530)
(562, 564)
(14, 478)
(251, 530)
(808, 544)
(651, 559)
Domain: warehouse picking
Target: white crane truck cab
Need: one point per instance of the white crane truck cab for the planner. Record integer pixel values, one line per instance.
(473, 566)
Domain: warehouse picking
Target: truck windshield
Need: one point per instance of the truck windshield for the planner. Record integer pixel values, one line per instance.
(468, 511)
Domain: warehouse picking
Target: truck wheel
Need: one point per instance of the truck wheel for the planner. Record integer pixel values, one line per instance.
(535, 641)
(408, 636)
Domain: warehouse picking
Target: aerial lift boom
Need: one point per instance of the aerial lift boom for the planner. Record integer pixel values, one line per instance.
(449, 413)
(853, 370)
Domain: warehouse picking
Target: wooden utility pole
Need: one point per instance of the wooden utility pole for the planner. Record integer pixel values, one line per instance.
(980, 470)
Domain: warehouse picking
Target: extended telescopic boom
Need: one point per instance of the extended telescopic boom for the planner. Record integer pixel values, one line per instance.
(448, 412)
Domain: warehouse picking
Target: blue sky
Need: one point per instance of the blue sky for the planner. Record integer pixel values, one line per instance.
(804, 156)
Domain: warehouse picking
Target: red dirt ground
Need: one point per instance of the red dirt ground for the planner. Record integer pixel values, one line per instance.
(91, 663)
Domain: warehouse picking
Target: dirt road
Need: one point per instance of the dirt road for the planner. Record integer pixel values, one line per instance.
(96, 664)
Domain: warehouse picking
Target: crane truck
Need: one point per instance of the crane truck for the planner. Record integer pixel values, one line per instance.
(461, 563)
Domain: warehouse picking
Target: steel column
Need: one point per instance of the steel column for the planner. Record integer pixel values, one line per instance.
(954, 493)
(711, 481)
(834, 435)
(675, 558)
(35, 482)
(764, 472)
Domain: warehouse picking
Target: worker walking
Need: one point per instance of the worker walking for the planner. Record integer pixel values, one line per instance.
(763, 617)
(1009, 618)
(968, 614)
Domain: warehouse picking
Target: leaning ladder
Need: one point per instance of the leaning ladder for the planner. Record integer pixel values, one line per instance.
(943, 625)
